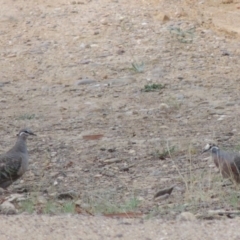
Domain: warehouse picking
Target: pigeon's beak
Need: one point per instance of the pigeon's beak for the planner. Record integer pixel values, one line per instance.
(33, 134)
(204, 150)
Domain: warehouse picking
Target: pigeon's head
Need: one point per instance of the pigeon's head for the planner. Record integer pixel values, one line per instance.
(212, 147)
(25, 132)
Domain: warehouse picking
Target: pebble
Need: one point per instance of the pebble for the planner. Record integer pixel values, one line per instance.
(164, 106)
(53, 154)
(16, 197)
(120, 81)
(7, 208)
(85, 81)
(41, 200)
(186, 216)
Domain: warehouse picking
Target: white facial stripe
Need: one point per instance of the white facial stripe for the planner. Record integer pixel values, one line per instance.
(207, 147)
(22, 133)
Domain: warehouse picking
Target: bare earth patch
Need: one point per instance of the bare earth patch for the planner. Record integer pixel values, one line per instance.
(123, 96)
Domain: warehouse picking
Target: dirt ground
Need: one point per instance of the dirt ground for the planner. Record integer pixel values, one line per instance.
(78, 74)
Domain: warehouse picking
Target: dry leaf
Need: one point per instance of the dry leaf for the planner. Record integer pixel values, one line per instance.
(124, 215)
(164, 192)
(93, 137)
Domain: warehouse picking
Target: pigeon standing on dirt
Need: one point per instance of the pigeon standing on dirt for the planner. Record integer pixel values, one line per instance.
(14, 163)
(227, 162)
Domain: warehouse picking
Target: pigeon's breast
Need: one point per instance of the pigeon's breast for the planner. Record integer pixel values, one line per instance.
(24, 164)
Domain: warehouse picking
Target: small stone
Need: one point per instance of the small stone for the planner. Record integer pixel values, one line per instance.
(11, 55)
(221, 117)
(41, 200)
(53, 154)
(164, 192)
(98, 175)
(85, 81)
(164, 106)
(7, 208)
(227, 1)
(131, 151)
(78, 202)
(108, 173)
(164, 127)
(219, 107)
(163, 197)
(180, 97)
(104, 21)
(230, 104)
(120, 51)
(162, 17)
(3, 100)
(16, 197)
(2, 191)
(186, 216)
(121, 81)
(67, 195)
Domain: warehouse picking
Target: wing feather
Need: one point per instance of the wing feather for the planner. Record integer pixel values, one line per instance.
(9, 167)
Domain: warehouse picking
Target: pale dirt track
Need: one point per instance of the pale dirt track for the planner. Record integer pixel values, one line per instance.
(91, 228)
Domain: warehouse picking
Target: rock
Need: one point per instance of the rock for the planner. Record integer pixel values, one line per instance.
(162, 197)
(3, 100)
(221, 117)
(7, 208)
(230, 104)
(132, 152)
(164, 107)
(162, 17)
(186, 216)
(104, 21)
(108, 173)
(53, 154)
(16, 197)
(180, 97)
(2, 191)
(67, 195)
(41, 200)
(121, 81)
(227, 1)
(164, 192)
(78, 202)
(85, 81)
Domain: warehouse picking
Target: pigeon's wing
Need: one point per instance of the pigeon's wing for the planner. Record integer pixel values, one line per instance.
(9, 167)
(235, 165)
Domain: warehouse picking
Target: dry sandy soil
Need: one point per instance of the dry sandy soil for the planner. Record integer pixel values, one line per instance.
(76, 72)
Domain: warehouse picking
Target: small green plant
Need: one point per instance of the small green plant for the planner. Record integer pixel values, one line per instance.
(27, 206)
(153, 87)
(50, 207)
(183, 36)
(139, 68)
(106, 205)
(130, 205)
(233, 199)
(164, 153)
(68, 207)
(26, 116)
(237, 147)
(173, 103)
